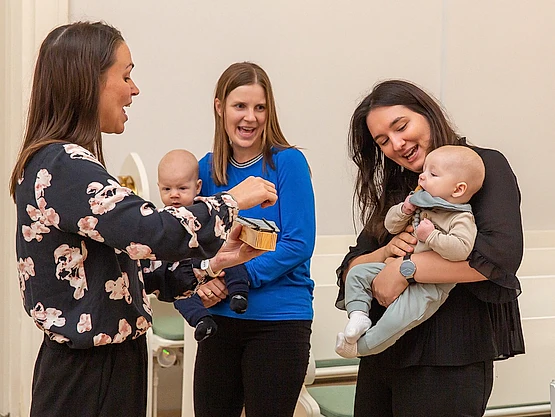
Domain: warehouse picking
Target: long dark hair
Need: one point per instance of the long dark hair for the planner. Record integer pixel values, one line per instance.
(237, 75)
(66, 90)
(380, 182)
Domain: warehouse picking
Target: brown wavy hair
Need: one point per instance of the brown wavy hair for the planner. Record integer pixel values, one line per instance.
(380, 182)
(237, 75)
(65, 94)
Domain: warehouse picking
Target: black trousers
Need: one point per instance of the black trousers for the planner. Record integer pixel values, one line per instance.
(261, 364)
(103, 381)
(422, 391)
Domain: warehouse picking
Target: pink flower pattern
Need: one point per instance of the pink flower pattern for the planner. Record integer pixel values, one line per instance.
(146, 210)
(188, 221)
(69, 267)
(87, 228)
(56, 337)
(139, 251)
(119, 289)
(106, 197)
(102, 339)
(146, 303)
(85, 323)
(124, 331)
(46, 318)
(42, 217)
(142, 326)
(50, 202)
(78, 152)
(219, 225)
(25, 270)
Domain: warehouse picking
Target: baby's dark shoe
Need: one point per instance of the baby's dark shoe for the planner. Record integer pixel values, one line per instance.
(205, 328)
(239, 303)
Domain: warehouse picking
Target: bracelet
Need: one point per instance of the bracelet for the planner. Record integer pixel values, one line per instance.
(211, 272)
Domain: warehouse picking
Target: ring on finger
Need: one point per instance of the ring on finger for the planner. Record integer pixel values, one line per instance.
(209, 293)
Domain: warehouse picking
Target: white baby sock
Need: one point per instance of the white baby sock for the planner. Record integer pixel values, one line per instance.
(345, 349)
(357, 326)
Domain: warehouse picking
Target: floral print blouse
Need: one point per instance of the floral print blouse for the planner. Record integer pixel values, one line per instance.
(80, 239)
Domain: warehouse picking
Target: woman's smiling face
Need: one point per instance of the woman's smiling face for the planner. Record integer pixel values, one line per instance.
(245, 119)
(402, 135)
(117, 91)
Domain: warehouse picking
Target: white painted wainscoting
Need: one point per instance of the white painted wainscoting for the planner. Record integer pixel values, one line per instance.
(521, 381)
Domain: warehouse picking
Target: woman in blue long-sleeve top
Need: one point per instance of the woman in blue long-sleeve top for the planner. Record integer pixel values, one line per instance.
(259, 358)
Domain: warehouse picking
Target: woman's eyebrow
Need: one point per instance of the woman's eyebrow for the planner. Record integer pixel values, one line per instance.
(393, 122)
(396, 120)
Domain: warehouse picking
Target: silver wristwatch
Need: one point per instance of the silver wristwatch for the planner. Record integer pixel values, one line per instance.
(408, 268)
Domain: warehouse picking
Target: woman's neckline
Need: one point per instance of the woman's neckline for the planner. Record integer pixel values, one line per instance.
(250, 162)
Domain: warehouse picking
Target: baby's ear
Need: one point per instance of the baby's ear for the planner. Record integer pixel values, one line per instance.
(460, 189)
(199, 186)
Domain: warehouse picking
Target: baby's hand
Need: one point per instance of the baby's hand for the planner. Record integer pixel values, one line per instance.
(424, 229)
(408, 207)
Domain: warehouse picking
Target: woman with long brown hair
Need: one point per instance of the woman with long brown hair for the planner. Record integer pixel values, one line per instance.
(80, 234)
(258, 359)
(444, 366)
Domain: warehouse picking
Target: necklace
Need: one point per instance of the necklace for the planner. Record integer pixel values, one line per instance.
(416, 219)
(416, 215)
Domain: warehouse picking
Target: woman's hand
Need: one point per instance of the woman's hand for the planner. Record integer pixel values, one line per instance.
(233, 252)
(401, 244)
(254, 191)
(398, 246)
(212, 292)
(389, 283)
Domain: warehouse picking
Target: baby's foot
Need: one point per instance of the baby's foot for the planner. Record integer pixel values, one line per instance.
(344, 348)
(239, 303)
(358, 324)
(205, 328)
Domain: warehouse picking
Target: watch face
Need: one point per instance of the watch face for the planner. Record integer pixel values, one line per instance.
(408, 268)
(204, 264)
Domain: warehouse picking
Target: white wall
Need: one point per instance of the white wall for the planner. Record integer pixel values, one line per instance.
(4, 358)
(321, 57)
(24, 24)
(489, 62)
(499, 84)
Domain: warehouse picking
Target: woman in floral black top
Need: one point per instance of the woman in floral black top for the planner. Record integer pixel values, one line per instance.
(80, 234)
